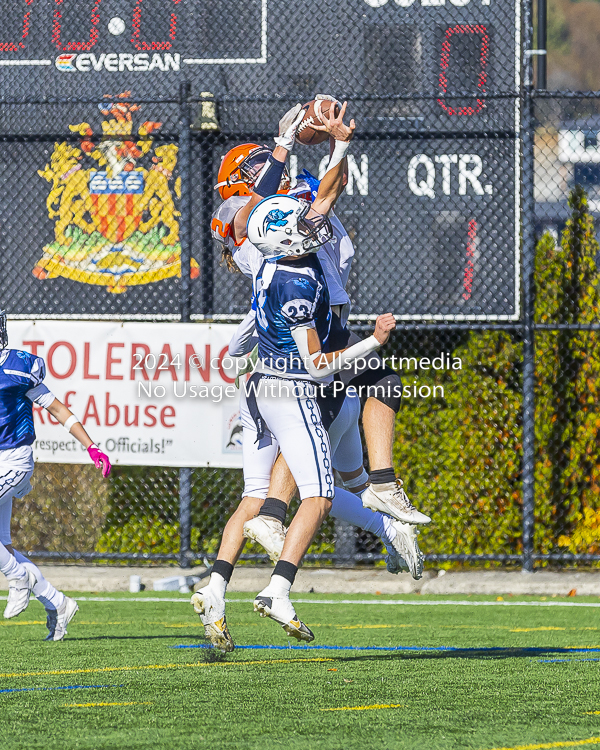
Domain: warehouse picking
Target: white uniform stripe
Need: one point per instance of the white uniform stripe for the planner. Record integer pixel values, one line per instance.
(312, 440)
(19, 373)
(9, 481)
(11, 478)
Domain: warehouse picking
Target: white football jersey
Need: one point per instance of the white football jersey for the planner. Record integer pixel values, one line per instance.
(221, 225)
(335, 257)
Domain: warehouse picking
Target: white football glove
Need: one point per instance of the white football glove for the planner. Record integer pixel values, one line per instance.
(328, 98)
(288, 125)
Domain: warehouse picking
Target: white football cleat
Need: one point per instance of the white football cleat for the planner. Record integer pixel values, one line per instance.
(268, 532)
(391, 499)
(211, 609)
(407, 549)
(19, 592)
(58, 619)
(280, 609)
(394, 562)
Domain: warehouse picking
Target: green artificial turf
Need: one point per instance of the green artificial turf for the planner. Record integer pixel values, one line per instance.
(490, 687)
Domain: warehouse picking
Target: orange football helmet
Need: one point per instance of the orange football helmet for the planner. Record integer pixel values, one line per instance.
(241, 166)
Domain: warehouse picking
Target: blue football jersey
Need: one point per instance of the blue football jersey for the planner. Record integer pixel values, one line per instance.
(19, 373)
(288, 295)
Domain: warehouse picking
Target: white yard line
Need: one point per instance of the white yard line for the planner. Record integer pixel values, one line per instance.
(375, 602)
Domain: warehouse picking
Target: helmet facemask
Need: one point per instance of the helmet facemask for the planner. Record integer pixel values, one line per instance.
(253, 164)
(317, 231)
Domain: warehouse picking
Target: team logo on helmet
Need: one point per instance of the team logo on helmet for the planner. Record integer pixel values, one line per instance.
(275, 218)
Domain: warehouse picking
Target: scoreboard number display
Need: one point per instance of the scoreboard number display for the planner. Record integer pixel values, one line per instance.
(129, 36)
(432, 84)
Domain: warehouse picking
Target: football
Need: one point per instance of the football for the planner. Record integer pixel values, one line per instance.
(313, 111)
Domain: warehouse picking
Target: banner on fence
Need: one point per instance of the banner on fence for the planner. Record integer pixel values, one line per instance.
(149, 394)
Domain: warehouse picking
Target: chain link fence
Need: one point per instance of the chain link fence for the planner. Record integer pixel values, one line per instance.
(471, 201)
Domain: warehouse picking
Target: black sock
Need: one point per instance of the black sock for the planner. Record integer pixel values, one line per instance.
(223, 568)
(274, 508)
(286, 570)
(382, 476)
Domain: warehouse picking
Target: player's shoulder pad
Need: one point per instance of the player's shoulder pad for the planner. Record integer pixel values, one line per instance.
(298, 298)
(23, 360)
(304, 286)
(35, 366)
(222, 219)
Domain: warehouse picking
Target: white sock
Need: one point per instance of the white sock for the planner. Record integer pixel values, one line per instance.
(346, 506)
(389, 531)
(218, 584)
(47, 595)
(278, 586)
(9, 565)
(43, 590)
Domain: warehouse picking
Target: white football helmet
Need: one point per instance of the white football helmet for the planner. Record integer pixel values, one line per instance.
(278, 227)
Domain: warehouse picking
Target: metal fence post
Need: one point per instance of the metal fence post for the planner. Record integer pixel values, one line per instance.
(185, 235)
(185, 518)
(542, 43)
(528, 266)
(207, 193)
(185, 205)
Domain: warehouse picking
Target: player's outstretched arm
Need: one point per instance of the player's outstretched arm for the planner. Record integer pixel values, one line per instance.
(268, 180)
(332, 183)
(320, 365)
(72, 424)
(244, 338)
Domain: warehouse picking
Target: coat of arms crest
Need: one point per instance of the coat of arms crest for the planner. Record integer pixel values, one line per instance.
(115, 220)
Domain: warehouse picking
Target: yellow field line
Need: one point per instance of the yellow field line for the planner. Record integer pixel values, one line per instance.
(545, 745)
(90, 705)
(591, 713)
(364, 708)
(533, 630)
(507, 628)
(367, 627)
(12, 623)
(160, 666)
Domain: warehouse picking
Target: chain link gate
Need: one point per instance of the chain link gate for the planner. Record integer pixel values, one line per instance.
(457, 203)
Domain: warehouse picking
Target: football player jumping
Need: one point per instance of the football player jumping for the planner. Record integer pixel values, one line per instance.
(240, 169)
(21, 385)
(340, 419)
(293, 321)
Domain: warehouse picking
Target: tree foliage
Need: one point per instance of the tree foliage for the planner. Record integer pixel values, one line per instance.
(567, 383)
(460, 455)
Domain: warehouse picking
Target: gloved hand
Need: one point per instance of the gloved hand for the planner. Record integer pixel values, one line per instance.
(328, 98)
(101, 460)
(288, 125)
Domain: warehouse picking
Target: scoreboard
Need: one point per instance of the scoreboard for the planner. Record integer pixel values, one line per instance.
(267, 48)
(433, 85)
